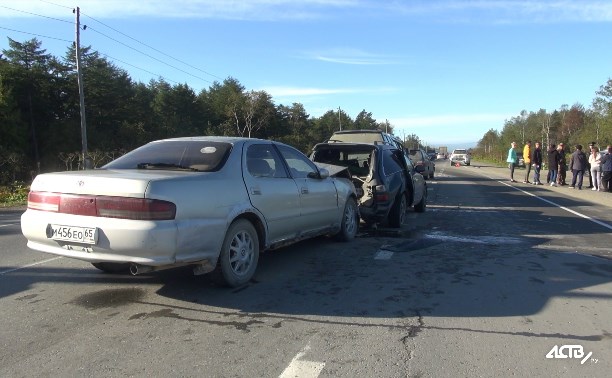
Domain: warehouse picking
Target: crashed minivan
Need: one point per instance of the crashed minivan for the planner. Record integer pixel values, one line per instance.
(385, 179)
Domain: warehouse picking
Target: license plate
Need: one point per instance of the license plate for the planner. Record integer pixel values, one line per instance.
(86, 235)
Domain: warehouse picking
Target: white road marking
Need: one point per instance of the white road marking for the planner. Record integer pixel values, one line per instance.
(383, 255)
(8, 224)
(30, 265)
(303, 369)
(609, 227)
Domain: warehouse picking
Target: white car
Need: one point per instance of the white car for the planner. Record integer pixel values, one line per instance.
(460, 156)
(211, 202)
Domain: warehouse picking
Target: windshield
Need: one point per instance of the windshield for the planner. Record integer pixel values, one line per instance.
(184, 155)
(460, 152)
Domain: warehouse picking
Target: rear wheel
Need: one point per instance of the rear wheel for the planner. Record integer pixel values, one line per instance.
(239, 254)
(397, 215)
(350, 221)
(108, 267)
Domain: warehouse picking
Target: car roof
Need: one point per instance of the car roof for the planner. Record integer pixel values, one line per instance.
(339, 145)
(360, 132)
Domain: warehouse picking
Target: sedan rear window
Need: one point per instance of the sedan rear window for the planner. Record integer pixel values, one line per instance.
(187, 155)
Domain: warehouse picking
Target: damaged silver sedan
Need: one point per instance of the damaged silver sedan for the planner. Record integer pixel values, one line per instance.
(210, 202)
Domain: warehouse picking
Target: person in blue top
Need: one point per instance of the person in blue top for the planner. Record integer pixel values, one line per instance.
(606, 170)
(512, 160)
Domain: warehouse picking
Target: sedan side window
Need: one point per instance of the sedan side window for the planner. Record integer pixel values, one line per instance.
(299, 165)
(263, 161)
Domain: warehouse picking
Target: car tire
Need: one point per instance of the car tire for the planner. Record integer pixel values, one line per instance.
(397, 215)
(239, 254)
(350, 221)
(422, 205)
(108, 267)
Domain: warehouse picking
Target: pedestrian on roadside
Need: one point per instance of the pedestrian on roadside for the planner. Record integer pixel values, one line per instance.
(578, 164)
(595, 163)
(562, 168)
(588, 170)
(553, 164)
(606, 170)
(536, 160)
(512, 160)
(527, 160)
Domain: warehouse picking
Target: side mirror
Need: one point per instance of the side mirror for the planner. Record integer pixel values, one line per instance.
(323, 173)
(420, 168)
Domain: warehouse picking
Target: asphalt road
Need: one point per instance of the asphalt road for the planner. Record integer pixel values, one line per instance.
(485, 283)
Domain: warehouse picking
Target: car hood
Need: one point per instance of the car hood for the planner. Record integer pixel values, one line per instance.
(125, 183)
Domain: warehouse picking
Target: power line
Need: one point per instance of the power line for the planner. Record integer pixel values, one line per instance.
(151, 47)
(36, 14)
(38, 35)
(145, 54)
(139, 68)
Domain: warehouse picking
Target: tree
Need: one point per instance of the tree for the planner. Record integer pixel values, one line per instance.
(364, 121)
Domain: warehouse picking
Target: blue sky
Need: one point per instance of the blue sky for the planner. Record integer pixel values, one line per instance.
(445, 70)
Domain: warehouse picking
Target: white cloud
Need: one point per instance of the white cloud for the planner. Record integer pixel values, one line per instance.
(493, 11)
(450, 120)
(282, 91)
(350, 56)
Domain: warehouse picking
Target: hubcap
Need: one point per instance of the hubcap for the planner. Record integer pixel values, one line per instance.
(241, 253)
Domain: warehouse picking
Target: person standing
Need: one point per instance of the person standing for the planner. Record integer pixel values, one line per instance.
(536, 160)
(527, 160)
(606, 170)
(578, 164)
(588, 170)
(562, 168)
(553, 164)
(595, 163)
(512, 160)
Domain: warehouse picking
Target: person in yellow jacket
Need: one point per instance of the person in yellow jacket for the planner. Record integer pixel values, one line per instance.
(527, 160)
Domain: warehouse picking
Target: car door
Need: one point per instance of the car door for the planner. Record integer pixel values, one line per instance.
(272, 191)
(318, 197)
(418, 182)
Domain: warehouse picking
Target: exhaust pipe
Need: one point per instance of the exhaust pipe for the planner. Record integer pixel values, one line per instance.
(140, 269)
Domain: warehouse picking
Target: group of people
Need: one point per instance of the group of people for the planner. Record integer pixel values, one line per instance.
(597, 166)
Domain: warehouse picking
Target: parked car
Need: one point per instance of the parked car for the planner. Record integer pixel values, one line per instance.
(211, 202)
(432, 156)
(420, 159)
(441, 155)
(366, 136)
(461, 156)
(386, 181)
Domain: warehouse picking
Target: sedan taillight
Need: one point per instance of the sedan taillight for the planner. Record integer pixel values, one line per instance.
(102, 206)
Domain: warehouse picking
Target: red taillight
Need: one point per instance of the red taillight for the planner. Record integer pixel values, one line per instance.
(380, 193)
(135, 208)
(102, 206)
(43, 201)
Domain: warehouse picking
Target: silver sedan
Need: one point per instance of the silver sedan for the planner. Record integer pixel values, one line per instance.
(210, 202)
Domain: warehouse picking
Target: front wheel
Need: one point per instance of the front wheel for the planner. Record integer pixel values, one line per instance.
(422, 205)
(350, 221)
(239, 254)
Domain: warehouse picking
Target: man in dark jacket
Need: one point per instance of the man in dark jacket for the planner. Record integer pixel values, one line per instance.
(606, 170)
(536, 161)
(562, 164)
(578, 164)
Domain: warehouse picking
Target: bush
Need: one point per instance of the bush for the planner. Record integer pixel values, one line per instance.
(15, 194)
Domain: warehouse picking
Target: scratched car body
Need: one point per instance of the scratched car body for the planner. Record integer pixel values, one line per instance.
(210, 202)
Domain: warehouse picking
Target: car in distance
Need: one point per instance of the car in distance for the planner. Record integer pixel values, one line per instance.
(460, 156)
(210, 202)
(386, 181)
(422, 161)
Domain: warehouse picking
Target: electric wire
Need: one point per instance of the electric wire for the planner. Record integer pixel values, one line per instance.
(38, 35)
(36, 14)
(151, 47)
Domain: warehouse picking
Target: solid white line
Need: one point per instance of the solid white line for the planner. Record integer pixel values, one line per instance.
(30, 265)
(8, 224)
(303, 369)
(609, 227)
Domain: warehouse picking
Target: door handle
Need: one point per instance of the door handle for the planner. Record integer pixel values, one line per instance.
(255, 191)
(304, 190)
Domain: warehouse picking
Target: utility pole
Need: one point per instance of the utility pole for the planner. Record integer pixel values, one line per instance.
(84, 157)
(339, 120)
